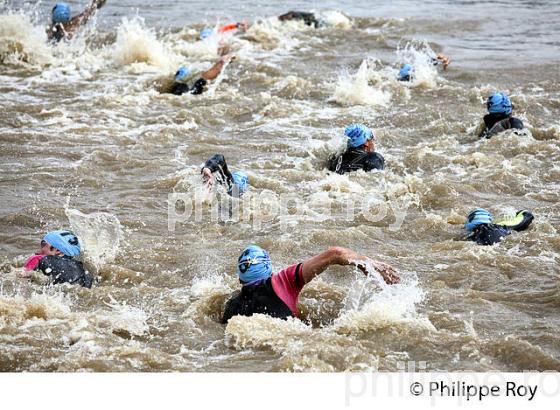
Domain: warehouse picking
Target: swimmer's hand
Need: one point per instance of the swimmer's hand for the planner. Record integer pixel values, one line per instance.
(227, 58)
(387, 272)
(23, 273)
(444, 60)
(337, 255)
(207, 178)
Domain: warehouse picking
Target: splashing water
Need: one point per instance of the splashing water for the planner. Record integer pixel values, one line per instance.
(335, 18)
(92, 120)
(355, 89)
(138, 46)
(100, 234)
(23, 43)
(420, 56)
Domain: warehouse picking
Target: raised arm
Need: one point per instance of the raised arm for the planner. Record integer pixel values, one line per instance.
(217, 68)
(342, 256)
(443, 60)
(85, 15)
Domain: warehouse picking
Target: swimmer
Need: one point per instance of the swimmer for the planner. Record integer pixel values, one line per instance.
(308, 18)
(56, 259)
(406, 73)
(360, 153)
(241, 27)
(227, 28)
(499, 117)
(276, 294)
(64, 26)
(484, 231)
(192, 82)
(236, 183)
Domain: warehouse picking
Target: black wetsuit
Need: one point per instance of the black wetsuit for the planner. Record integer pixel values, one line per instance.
(489, 234)
(58, 32)
(65, 269)
(218, 164)
(308, 18)
(496, 123)
(196, 88)
(355, 159)
(259, 297)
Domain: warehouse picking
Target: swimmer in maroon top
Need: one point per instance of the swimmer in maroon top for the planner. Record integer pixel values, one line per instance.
(277, 294)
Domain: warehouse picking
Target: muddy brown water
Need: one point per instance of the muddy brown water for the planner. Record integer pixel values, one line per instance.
(88, 143)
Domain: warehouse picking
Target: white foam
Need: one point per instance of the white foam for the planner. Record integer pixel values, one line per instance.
(352, 89)
(420, 57)
(22, 42)
(100, 235)
(138, 46)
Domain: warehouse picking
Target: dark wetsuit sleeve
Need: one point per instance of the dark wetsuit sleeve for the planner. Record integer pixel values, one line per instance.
(218, 164)
(231, 307)
(57, 32)
(374, 161)
(524, 224)
(308, 18)
(489, 121)
(198, 87)
(44, 267)
(179, 88)
(488, 234)
(516, 123)
(335, 164)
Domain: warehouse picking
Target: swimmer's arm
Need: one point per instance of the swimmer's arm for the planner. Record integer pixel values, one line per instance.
(342, 256)
(83, 17)
(287, 16)
(443, 60)
(217, 68)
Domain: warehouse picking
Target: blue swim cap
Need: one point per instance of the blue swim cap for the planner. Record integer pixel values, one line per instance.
(254, 264)
(499, 103)
(241, 181)
(477, 217)
(65, 241)
(357, 135)
(405, 72)
(182, 73)
(61, 13)
(206, 32)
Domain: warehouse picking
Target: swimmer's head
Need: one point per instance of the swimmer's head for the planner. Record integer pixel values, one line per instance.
(61, 13)
(254, 264)
(477, 217)
(406, 72)
(206, 32)
(358, 135)
(64, 241)
(499, 103)
(241, 183)
(182, 74)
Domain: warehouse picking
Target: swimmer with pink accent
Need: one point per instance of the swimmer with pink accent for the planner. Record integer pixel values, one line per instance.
(276, 294)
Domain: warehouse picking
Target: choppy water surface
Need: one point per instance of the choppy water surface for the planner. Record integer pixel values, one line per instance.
(89, 143)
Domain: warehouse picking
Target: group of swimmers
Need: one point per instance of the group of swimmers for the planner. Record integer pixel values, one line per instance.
(262, 291)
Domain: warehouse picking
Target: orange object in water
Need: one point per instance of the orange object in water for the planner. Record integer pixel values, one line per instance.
(228, 27)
